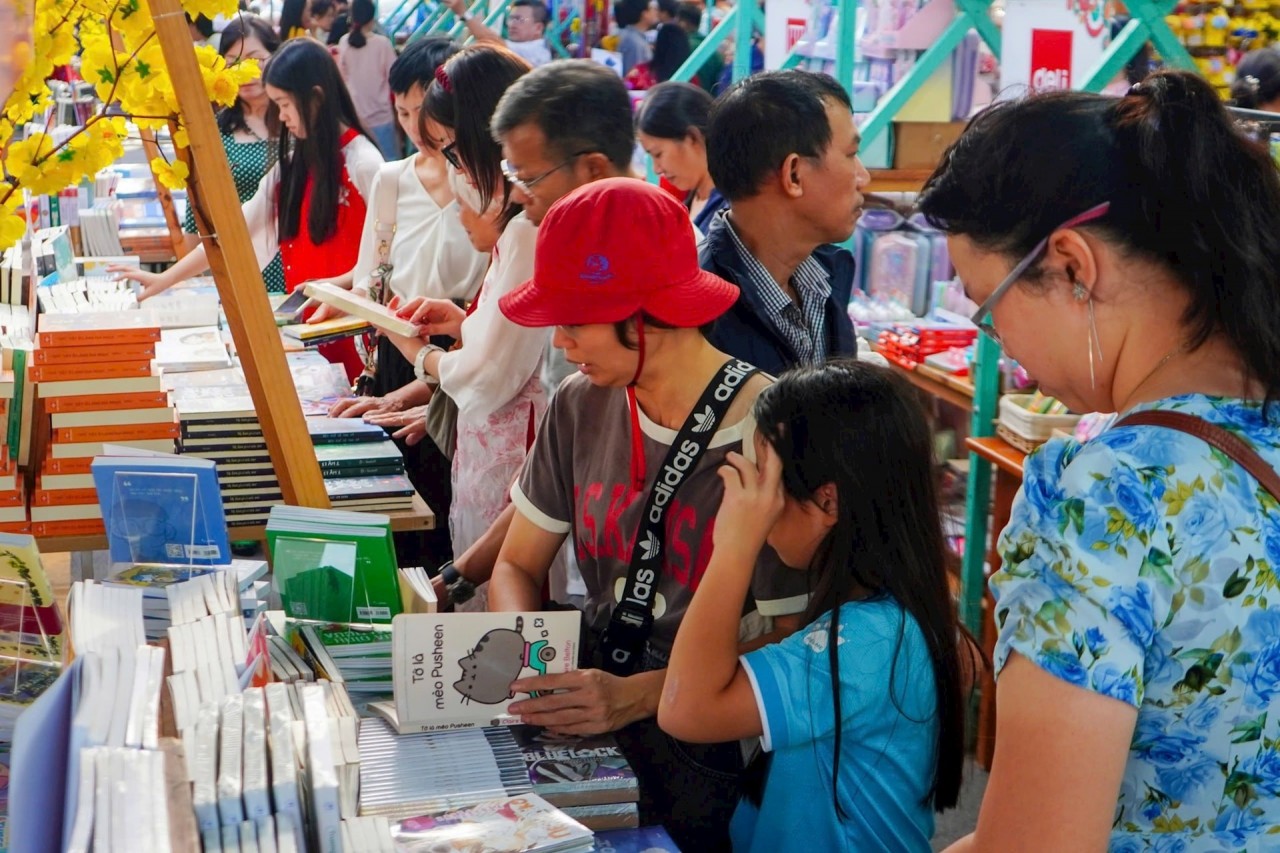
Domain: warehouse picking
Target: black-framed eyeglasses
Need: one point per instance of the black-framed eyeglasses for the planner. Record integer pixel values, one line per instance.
(982, 317)
(525, 185)
(451, 156)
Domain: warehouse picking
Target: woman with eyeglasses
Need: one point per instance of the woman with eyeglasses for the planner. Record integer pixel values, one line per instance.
(249, 127)
(1133, 266)
(310, 207)
(493, 377)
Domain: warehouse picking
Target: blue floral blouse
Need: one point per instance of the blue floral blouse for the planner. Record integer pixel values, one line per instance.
(1143, 566)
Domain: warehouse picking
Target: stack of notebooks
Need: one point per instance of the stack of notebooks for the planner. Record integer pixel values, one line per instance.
(430, 772)
(218, 421)
(315, 334)
(363, 469)
(97, 381)
(84, 295)
(191, 349)
(588, 778)
(358, 656)
(160, 584)
(333, 566)
(284, 758)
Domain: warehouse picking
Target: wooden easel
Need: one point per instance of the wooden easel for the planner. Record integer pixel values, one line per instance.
(212, 195)
(152, 149)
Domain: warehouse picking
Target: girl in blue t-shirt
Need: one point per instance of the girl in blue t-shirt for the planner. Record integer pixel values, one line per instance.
(863, 736)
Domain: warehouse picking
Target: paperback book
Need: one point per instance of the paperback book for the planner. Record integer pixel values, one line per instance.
(524, 824)
(576, 771)
(454, 670)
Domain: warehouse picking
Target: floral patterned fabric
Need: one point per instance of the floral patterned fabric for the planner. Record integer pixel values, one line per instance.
(1143, 566)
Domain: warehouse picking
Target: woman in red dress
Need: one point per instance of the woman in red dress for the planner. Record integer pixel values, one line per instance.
(311, 206)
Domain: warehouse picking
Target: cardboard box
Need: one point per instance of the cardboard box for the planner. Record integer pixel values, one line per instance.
(920, 145)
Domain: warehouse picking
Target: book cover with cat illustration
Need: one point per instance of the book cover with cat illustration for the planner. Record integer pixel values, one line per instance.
(454, 670)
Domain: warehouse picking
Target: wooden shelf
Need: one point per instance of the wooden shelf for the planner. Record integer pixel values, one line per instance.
(945, 387)
(898, 180)
(998, 452)
(420, 517)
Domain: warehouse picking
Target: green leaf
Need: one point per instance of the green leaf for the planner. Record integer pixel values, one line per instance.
(1197, 595)
(105, 76)
(144, 70)
(1235, 585)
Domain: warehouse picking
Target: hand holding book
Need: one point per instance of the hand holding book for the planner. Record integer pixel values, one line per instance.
(587, 701)
(434, 316)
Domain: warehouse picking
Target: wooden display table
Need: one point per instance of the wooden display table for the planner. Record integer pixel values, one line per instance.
(420, 517)
(1008, 461)
(898, 180)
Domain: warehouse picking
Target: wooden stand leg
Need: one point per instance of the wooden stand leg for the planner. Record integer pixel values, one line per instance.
(1007, 486)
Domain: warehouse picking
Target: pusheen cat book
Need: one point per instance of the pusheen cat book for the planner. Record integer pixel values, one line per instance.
(454, 670)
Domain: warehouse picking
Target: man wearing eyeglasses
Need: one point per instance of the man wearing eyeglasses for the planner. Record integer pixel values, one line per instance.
(526, 29)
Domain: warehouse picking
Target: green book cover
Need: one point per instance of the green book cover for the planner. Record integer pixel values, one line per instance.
(14, 432)
(335, 573)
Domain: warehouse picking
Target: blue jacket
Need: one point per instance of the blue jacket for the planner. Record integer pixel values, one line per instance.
(745, 330)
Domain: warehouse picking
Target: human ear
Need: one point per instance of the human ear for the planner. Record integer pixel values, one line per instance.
(789, 176)
(827, 500)
(1072, 253)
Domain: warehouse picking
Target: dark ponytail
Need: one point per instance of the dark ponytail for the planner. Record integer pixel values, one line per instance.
(1257, 79)
(362, 12)
(1188, 189)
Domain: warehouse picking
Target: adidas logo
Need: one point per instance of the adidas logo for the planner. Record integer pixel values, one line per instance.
(650, 547)
(704, 421)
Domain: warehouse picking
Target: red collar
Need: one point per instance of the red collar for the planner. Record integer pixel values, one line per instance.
(346, 138)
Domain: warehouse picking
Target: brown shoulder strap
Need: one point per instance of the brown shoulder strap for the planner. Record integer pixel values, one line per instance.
(1233, 446)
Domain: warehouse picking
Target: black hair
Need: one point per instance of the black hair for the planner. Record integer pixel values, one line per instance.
(860, 427)
(202, 23)
(1188, 190)
(362, 12)
(292, 14)
(419, 61)
(670, 50)
(625, 329)
(579, 105)
(674, 111)
(760, 121)
(231, 119)
(1257, 79)
(341, 26)
(301, 67)
(629, 12)
(477, 78)
(540, 13)
(668, 7)
(320, 8)
(689, 13)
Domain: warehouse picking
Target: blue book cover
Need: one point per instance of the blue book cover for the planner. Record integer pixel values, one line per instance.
(162, 509)
(646, 839)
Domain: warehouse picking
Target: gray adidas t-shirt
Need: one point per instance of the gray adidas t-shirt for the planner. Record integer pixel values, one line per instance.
(577, 481)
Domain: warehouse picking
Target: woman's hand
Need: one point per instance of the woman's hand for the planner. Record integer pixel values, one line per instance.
(587, 701)
(435, 316)
(152, 282)
(412, 423)
(358, 407)
(323, 312)
(753, 500)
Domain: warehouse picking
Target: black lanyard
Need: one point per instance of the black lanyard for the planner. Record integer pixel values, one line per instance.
(632, 619)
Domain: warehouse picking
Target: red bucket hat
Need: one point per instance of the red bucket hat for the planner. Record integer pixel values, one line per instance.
(611, 249)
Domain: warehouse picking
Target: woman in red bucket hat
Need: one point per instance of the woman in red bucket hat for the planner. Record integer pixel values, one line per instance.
(625, 463)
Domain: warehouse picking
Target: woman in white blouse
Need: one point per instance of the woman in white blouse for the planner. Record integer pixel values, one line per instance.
(430, 255)
(494, 376)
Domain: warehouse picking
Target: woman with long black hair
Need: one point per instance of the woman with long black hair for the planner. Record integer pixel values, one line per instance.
(295, 21)
(311, 206)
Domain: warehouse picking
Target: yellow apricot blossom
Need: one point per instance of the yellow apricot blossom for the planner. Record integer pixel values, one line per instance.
(172, 175)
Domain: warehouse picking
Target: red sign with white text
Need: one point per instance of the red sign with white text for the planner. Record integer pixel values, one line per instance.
(1050, 60)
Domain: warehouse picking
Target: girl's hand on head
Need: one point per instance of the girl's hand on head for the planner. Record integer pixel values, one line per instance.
(752, 502)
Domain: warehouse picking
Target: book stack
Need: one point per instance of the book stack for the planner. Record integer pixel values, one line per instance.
(218, 422)
(15, 278)
(162, 589)
(17, 340)
(587, 777)
(97, 382)
(282, 758)
(527, 823)
(188, 303)
(315, 334)
(362, 467)
(83, 295)
(333, 566)
(431, 772)
(319, 382)
(358, 656)
(191, 349)
(367, 835)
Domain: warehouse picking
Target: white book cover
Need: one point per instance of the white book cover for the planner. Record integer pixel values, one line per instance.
(454, 670)
(326, 810)
(230, 750)
(257, 797)
(520, 824)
